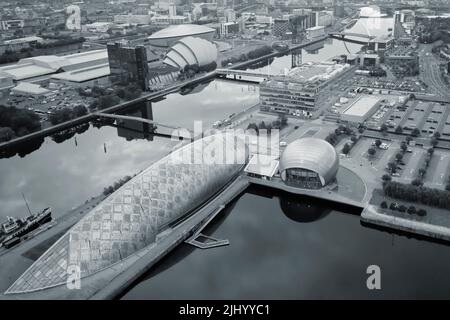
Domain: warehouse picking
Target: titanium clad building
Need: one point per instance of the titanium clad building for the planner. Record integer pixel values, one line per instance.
(309, 163)
(166, 37)
(134, 216)
(191, 51)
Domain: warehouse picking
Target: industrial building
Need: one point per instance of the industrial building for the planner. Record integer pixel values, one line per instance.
(29, 68)
(361, 109)
(299, 89)
(310, 163)
(166, 37)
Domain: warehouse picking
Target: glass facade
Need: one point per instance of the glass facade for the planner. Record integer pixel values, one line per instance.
(128, 64)
(131, 218)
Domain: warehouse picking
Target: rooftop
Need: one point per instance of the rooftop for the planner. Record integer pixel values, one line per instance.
(361, 105)
(262, 164)
(181, 30)
(84, 74)
(29, 88)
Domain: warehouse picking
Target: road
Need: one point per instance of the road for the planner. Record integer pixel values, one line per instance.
(430, 73)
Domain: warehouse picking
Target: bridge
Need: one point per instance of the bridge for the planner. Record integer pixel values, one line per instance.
(238, 74)
(149, 121)
(344, 36)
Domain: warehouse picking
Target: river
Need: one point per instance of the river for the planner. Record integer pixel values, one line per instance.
(280, 246)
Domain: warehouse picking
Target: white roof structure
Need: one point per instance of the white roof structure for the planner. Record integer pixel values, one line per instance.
(23, 40)
(42, 65)
(361, 106)
(189, 51)
(29, 88)
(23, 71)
(167, 36)
(84, 74)
(262, 164)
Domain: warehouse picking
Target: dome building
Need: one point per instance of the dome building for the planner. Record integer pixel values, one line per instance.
(166, 37)
(191, 51)
(309, 163)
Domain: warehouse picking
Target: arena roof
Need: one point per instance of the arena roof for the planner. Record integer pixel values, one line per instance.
(190, 51)
(180, 31)
(129, 219)
(311, 154)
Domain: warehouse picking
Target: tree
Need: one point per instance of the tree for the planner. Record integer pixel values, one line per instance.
(434, 142)
(403, 147)
(79, 111)
(392, 166)
(384, 128)
(378, 143)
(383, 205)
(386, 177)
(371, 151)
(346, 148)
(6, 134)
(408, 139)
(402, 208)
(393, 206)
(422, 212)
(422, 171)
(411, 210)
(415, 132)
(107, 101)
(399, 157)
(399, 130)
(417, 182)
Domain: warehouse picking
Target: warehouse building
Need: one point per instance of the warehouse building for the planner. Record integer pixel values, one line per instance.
(361, 109)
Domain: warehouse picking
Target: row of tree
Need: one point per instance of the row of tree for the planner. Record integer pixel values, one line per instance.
(66, 114)
(334, 137)
(279, 124)
(419, 194)
(402, 208)
(116, 185)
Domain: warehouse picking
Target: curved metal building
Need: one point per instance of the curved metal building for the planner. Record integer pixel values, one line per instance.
(190, 51)
(131, 218)
(309, 159)
(166, 37)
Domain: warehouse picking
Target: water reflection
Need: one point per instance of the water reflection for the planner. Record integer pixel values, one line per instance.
(303, 210)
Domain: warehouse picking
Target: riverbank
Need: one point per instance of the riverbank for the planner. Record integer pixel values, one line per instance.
(373, 215)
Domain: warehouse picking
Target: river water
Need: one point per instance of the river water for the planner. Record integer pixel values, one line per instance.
(280, 246)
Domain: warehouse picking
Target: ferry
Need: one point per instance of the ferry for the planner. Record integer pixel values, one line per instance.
(15, 228)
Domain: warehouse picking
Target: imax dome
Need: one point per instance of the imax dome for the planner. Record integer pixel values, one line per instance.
(189, 51)
(310, 161)
(166, 37)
